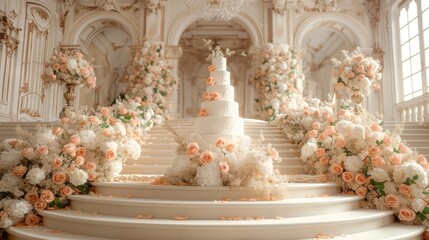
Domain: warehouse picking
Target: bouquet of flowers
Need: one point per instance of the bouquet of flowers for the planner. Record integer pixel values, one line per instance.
(151, 79)
(355, 74)
(276, 78)
(69, 67)
(39, 171)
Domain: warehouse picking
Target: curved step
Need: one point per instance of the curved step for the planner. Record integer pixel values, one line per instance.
(44, 233)
(347, 222)
(213, 210)
(197, 193)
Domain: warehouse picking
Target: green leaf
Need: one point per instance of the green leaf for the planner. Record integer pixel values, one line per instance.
(415, 177)
(84, 188)
(396, 150)
(421, 216)
(379, 142)
(426, 210)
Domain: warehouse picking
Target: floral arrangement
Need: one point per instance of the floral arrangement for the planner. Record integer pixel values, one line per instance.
(276, 78)
(69, 67)
(151, 78)
(355, 152)
(223, 163)
(39, 171)
(355, 74)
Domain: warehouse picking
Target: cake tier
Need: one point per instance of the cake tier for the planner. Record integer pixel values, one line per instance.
(226, 92)
(219, 63)
(222, 125)
(221, 77)
(239, 141)
(221, 108)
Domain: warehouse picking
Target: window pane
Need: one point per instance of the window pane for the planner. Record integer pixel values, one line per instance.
(425, 4)
(414, 28)
(425, 18)
(407, 97)
(417, 82)
(407, 86)
(404, 34)
(426, 38)
(414, 46)
(403, 19)
(406, 69)
(416, 65)
(412, 10)
(405, 51)
(427, 59)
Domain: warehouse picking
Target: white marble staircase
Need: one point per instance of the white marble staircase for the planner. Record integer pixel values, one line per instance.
(138, 210)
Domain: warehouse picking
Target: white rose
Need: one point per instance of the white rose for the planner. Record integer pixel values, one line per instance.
(35, 175)
(389, 188)
(78, 177)
(358, 132)
(353, 163)
(308, 149)
(418, 205)
(379, 175)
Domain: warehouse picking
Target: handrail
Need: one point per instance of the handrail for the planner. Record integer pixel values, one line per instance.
(414, 110)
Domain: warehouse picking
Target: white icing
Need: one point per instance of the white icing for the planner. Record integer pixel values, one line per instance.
(221, 77)
(226, 92)
(219, 63)
(221, 108)
(222, 125)
(239, 141)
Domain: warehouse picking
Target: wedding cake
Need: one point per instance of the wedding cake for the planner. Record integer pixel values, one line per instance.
(219, 113)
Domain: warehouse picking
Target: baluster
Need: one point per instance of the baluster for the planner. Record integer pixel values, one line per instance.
(419, 113)
(426, 111)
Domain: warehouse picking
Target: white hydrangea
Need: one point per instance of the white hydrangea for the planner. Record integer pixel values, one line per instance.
(389, 188)
(377, 135)
(77, 177)
(282, 87)
(409, 170)
(5, 222)
(9, 159)
(358, 132)
(275, 103)
(10, 183)
(379, 175)
(307, 121)
(418, 205)
(110, 145)
(35, 175)
(46, 138)
(71, 64)
(353, 163)
(308, 149)
(88, 138)
(18, 208)
(208, 175)
(119, 128)
(131, 150)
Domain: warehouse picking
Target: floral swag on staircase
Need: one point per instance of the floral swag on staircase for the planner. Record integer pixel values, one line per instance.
(151, 78)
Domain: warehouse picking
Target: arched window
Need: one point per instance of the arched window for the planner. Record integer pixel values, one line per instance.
(414, 47)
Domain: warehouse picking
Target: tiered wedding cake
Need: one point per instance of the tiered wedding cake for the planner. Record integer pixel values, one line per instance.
(219, 114)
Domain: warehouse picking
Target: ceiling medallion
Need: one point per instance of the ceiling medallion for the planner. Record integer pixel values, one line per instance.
(221, 10)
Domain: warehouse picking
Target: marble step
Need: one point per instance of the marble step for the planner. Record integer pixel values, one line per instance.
(347, 222)
(42, 232)
(197, 193)
(146, 159)
(417, 137)
(417, 143)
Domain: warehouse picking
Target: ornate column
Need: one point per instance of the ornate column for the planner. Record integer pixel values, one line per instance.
(279, 21)
(173, 54)
(154, 19)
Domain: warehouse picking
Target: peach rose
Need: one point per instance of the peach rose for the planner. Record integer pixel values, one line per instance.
(92, 176)
(347, 177)
(322, 137)
(80, 151)
(211, 81)
(392, 201)
(211, 68)
(75, 139)
(396, 159)
(315, 125)
(374, 151)
(214, 96)
(27, 152)
(360, 179)
(375, 127)
(324, 160)
(402, 148)
(70, 149)
(270, 111)
(59, 177)
(336, 169)
(104, 111)
(378, 161)
(57, 131)
(123, 110)
(32, 219)
(93, 119)
(224, 167)
(90, 166)
(387, 141)
(138, 99)
(57, 163)
(192, 149)
(42, 150)
(79, 160)
(106, 132)
(206, 157)
(110, 154)
(40, 205)
(320, 152)
(19, 170)
(220, 143)
(406, 214)
(203, 112)
(47, 196)
(66, 191)
(207, 96)
(230, 147)
(361, 191)
(312, 134)
(405, 189)
(340, 143)
(31, 196)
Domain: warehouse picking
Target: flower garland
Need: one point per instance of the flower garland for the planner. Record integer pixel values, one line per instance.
(151, 78)
(39, 171)
(70, 67)
(355, 74)
(276, 79)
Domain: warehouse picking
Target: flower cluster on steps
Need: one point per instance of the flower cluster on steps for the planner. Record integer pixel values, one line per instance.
(151, 78)
(276, 79)
(38, 171)
(356, 152)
